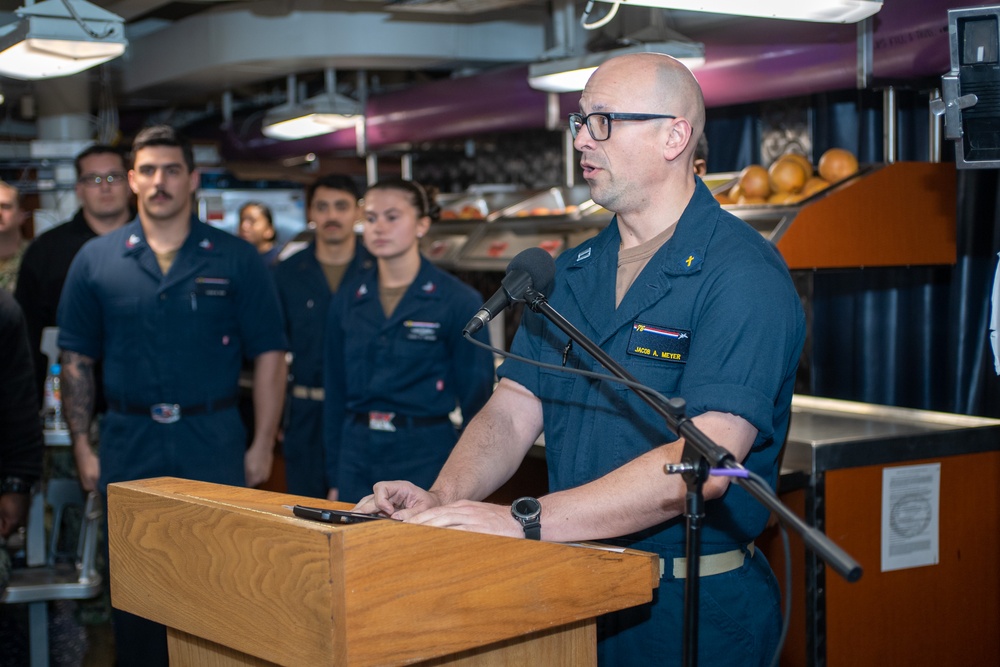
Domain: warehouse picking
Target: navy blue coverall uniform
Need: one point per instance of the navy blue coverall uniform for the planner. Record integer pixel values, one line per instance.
(174, 340)
(391, 382)
(305, 298)
(714, 319)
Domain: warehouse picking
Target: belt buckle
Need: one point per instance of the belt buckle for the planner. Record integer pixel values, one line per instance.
(165, 413)
(381, 421)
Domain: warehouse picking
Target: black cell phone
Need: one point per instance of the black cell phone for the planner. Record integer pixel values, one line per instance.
(333, 516)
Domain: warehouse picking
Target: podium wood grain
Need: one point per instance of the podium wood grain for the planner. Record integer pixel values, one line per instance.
(231, 568)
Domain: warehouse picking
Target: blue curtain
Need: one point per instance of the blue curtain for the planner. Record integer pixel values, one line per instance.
(734, 138)
(913, 337)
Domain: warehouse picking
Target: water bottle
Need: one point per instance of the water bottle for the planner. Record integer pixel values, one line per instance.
(52, 412)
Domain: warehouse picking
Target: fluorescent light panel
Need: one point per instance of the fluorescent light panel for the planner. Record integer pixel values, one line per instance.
(26, 60)
(822, 11)
(310, 125)
(47, 42)
(318, 115)
(565, 75)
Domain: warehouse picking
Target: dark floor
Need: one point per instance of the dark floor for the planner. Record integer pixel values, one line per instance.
(80, 633)
(101, 646)
(72, 641)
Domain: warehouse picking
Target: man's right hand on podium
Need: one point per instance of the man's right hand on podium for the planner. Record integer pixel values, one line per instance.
(398, 499)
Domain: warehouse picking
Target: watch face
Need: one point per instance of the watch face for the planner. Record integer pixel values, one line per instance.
(527, 507)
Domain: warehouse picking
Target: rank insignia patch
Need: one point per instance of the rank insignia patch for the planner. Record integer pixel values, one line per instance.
(691, 262)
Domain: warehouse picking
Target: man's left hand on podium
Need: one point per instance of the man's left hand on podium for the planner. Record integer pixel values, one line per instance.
(472, 516)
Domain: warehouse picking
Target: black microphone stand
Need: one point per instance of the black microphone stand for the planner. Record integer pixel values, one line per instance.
(699, 455)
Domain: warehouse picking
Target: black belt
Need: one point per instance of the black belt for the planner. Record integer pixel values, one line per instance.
(168, 413)
(389, 421)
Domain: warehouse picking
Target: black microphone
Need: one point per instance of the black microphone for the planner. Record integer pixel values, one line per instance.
(533, 268)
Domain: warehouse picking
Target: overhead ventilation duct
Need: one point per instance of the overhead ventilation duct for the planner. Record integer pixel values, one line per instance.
(909, 42)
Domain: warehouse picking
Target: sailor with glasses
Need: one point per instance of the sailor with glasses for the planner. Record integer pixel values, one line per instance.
(105, 205)
(695, 304)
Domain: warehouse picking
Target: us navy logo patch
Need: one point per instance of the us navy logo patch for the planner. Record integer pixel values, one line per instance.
(656, 342)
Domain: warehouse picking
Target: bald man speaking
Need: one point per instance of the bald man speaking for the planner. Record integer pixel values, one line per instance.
(695, 304)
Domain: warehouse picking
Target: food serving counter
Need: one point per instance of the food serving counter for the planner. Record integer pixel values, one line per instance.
(484, 231)
(945, 612)
(895, 214)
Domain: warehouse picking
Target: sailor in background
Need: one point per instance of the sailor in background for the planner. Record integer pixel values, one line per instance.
(306, 282)
(396, 362)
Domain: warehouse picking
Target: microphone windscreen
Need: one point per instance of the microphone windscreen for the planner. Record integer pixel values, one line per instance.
(538, 264)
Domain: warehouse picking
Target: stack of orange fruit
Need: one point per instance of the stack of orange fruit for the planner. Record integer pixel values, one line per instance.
(789, 179)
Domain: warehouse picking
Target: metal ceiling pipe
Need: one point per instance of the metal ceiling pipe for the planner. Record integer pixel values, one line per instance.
(910, 40)
(889, 113)
(933, 128)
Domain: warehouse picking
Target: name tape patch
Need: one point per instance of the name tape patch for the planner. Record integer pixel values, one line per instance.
(425, 331)
(657, 342)
(209, 286)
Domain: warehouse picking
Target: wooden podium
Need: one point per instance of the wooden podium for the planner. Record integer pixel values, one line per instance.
(238, 580)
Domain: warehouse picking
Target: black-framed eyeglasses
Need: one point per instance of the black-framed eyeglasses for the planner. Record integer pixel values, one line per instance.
(95, 180)
(599, 124)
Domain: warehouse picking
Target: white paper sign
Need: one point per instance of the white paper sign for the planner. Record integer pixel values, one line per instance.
(911, 501)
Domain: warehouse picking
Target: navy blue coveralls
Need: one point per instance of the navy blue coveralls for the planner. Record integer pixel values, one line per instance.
(305, 298)
(414, 366)
(713, 318)
(170, 340)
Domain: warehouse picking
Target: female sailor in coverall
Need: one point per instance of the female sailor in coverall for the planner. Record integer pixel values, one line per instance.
(396, 362)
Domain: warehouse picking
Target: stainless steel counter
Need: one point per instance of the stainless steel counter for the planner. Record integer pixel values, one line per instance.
(827, 434)
(835, 459)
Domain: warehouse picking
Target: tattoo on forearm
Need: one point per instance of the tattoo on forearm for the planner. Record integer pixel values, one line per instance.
(78, 392)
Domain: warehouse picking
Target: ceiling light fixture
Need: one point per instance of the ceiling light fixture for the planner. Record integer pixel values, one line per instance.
(322, 114)
(58, 38)
(821, 11)
(563, 75)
